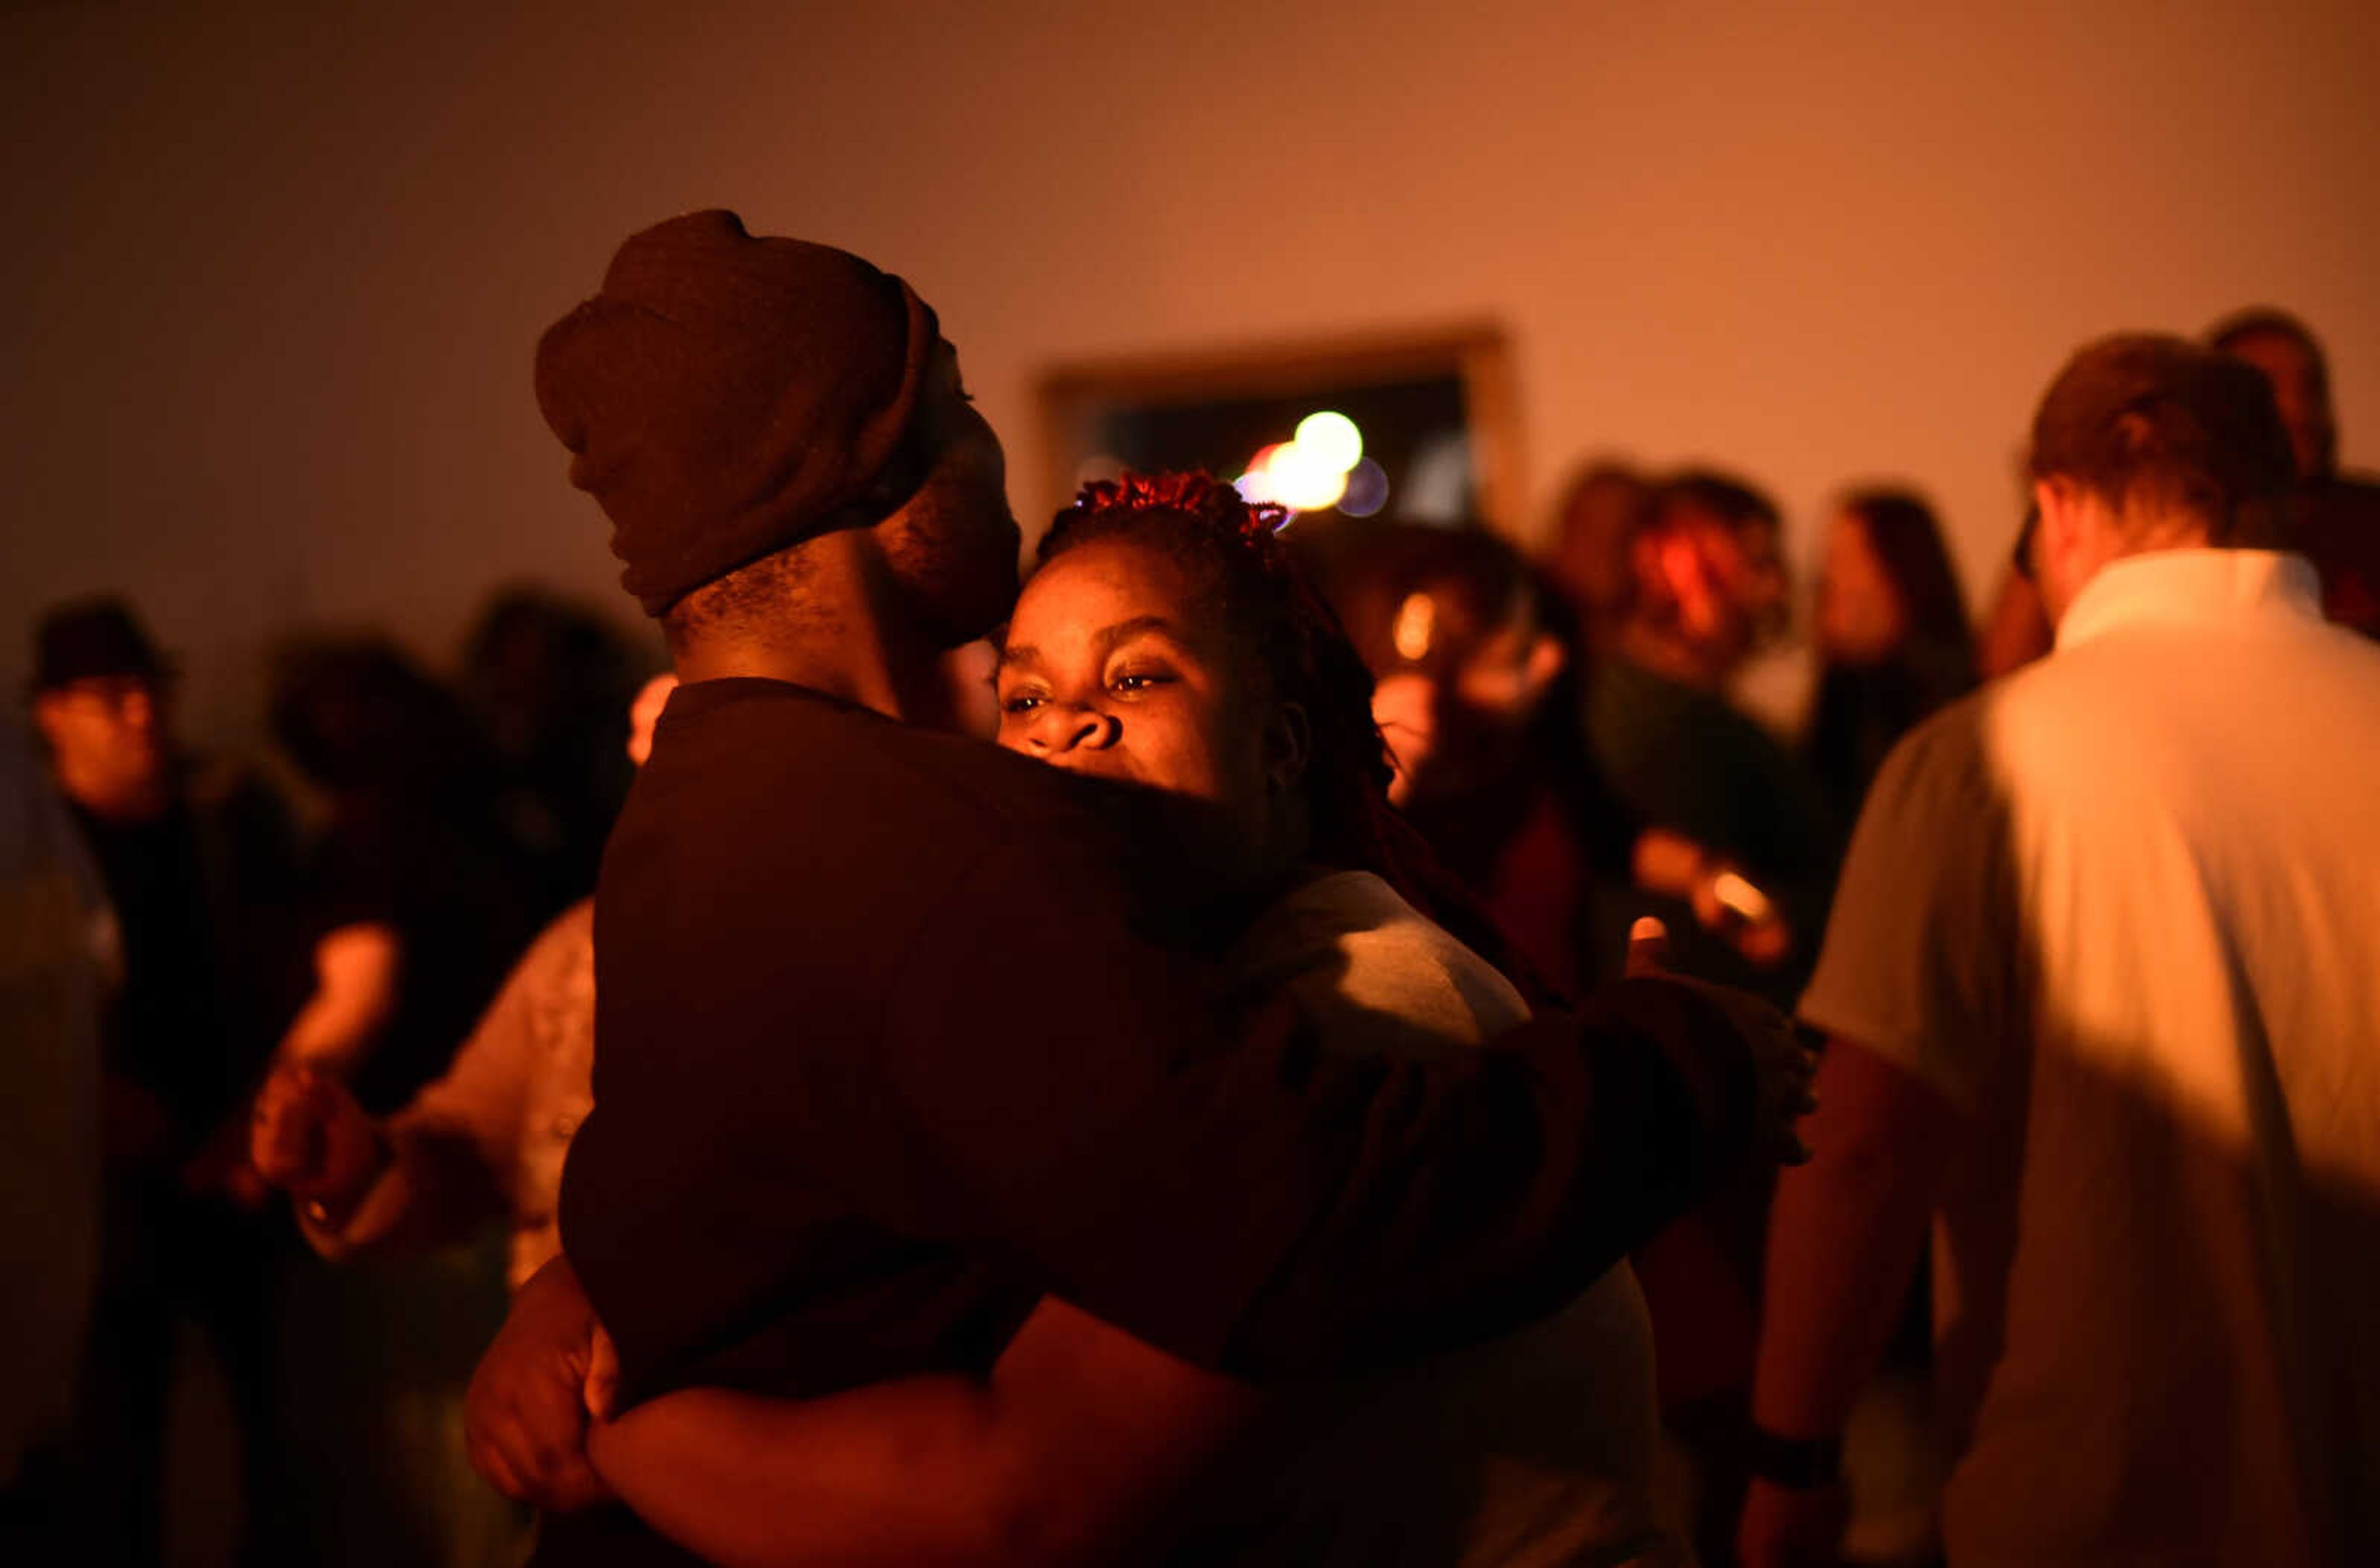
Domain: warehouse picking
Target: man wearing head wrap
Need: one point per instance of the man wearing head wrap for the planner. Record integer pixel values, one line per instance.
(842, 1137)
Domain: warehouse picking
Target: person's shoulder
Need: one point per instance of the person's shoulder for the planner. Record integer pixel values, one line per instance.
(1373, 971)
(1323, 912)
(568, 938)
(1944, 764)
(1022, 795)
(814, 742)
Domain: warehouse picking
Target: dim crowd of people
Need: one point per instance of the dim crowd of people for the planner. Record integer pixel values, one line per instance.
(1302, 1075)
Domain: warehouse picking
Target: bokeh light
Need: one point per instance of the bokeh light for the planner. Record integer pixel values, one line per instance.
(1257, 486)
(1315, 468)
(1416, 627)
(1332, 438)
(1739, 896)
(1304, 480)
(1367, 489)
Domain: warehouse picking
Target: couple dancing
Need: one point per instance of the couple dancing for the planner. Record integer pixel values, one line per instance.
(997, 1164)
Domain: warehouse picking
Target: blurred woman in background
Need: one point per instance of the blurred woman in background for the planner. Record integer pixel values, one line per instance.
(1893, 639)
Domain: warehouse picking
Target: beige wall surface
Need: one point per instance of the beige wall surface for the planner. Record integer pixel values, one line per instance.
(274, 273)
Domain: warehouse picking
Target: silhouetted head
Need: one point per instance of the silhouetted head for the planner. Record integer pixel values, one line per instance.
(361, 720)
(1709, 569)
(1588, 559)
(1888, 583)
(2148, 441)
(2279, 344)
(1465, 647)
(103, 699)
(730, 398)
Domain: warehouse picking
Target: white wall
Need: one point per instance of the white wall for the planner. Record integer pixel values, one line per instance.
(274, 274)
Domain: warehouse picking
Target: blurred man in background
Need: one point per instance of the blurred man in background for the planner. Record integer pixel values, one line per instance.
(2335, 520)
(2101, 986)
(2337, 516)
(53, 961)
(195, 868)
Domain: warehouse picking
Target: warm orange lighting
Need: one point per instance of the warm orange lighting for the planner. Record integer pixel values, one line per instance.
(1416, 627)
(1304, 480)
(1735, 894)
(1309, 472)
(1332, 438)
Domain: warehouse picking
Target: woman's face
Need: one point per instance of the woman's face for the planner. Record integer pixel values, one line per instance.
(1111, 668)
(1861, 619)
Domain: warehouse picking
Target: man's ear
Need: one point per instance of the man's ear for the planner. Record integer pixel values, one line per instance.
(49, 712)
(2064, 505)
(1289, 741)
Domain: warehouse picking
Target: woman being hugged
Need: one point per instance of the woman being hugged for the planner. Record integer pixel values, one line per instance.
(1166, 641)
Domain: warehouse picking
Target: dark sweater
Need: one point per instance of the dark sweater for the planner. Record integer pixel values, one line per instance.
(882, 1057)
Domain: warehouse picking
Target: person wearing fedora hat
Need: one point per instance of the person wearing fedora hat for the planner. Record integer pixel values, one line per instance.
(197, 866)
(102, 696)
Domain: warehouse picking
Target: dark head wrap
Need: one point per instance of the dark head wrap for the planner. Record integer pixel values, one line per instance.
(726, 396)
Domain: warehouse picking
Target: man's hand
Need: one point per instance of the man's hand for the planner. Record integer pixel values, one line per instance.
(309, 1138)
(1785, 1064)
(1792, 1526)
(526, 1417)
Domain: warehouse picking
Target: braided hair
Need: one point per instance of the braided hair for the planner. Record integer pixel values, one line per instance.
(1231, 551)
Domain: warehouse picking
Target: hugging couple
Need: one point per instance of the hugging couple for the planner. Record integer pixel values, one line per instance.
(1118, 1143)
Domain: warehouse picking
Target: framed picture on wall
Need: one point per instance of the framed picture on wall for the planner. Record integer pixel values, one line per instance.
(1419, 426)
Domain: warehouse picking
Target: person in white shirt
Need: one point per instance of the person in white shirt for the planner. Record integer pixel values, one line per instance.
(2103, 987)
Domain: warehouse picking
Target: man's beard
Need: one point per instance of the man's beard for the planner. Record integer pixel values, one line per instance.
(959, 584)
